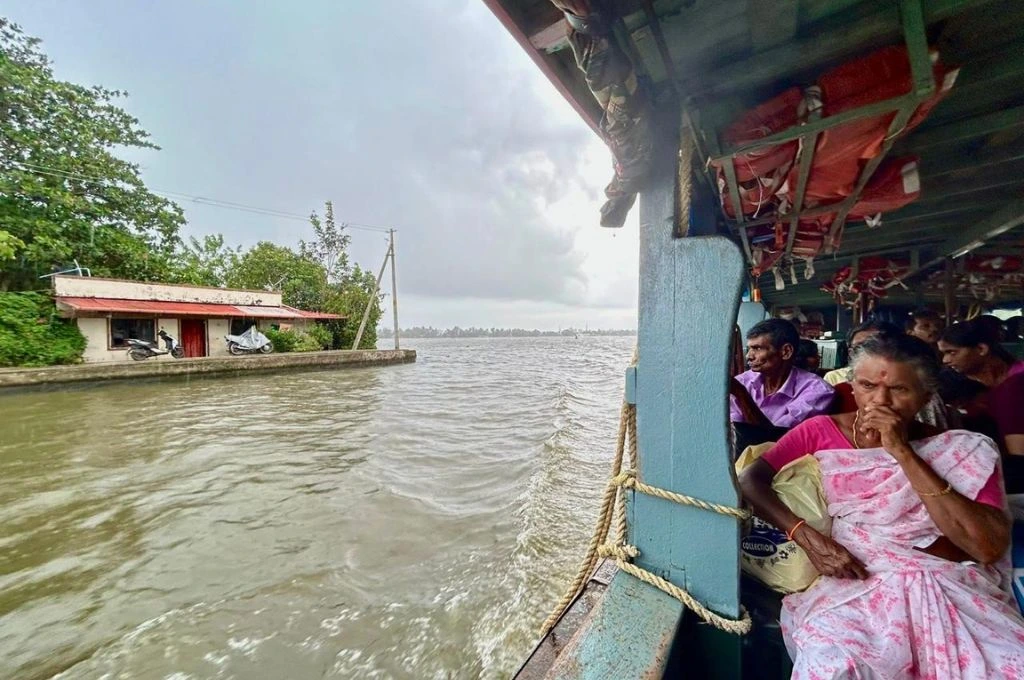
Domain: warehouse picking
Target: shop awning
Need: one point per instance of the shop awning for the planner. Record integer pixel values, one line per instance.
(173, 309)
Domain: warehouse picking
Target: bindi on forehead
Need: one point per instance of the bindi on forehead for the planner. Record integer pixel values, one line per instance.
(888, 373)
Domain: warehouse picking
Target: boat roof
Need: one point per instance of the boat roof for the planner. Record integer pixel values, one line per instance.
(726, 56)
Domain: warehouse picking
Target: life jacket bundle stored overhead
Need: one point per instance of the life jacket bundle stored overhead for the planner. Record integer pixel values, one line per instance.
(760, 173)
(875, 275)
(984, 277)
(767, 176)
(895, 184)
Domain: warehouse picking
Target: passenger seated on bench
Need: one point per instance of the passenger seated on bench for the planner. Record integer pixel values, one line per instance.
(933, 413)
(854, 339)
(774, 392)
(807, 356)
(914, 575)
(925, 324)
(972, 349)
(967, 403)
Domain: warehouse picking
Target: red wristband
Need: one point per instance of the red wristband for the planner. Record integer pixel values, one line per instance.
(789, 534)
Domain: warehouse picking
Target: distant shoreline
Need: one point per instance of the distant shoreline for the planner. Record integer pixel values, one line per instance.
(457, 333)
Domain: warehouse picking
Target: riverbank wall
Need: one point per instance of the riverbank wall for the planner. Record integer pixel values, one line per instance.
(128, 370)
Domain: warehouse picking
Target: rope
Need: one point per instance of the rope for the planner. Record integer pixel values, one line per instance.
(600, 532)
(613, 504)
(739, 626)
(628, 480)
(684, 185)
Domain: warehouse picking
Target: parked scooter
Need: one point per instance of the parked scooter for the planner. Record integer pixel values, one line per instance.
(249, 342)
(140, 349)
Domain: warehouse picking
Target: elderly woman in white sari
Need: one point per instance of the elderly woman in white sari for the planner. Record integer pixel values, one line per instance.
(915, 576)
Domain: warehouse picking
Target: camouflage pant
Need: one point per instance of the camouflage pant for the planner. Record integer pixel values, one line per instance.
(625, 123)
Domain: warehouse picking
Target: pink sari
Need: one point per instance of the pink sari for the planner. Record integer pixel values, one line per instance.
(916, 616)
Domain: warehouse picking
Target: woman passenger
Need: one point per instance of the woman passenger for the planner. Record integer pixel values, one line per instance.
(973, 350)
(914, 576)
(932, 413)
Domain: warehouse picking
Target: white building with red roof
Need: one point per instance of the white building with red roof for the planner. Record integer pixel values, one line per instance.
(109, 311)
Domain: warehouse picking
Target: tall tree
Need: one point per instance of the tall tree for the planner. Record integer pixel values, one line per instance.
(329, 246)
(266, 266)
(349, 298)
(207, 262)
(64, 194)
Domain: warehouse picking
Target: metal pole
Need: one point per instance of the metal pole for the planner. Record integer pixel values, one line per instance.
(369, 303)
(394, 286)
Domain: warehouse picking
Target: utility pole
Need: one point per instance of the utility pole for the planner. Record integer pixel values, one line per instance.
(394, 284)
(373, 295)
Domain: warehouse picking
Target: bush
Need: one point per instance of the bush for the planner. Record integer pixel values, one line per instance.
(322, 335)
(313, 340)
(284, 341)
(336, 327)
(31, 333)
(304, 342)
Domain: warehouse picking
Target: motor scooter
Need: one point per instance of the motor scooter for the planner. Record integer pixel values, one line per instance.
(141, 350)
(249, 342)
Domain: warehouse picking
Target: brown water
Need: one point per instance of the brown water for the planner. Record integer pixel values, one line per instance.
(412, 521)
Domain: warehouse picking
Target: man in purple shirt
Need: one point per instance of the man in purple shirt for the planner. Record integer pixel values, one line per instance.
(774, 392)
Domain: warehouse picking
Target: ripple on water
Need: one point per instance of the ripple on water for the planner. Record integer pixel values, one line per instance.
(410, 521)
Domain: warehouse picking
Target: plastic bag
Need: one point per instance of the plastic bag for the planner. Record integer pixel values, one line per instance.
(765, 552)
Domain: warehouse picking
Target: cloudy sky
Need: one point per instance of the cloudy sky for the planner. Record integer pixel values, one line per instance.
(425, 116)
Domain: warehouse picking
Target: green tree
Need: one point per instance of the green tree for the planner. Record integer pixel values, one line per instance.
(9, 245)
(317, 278)
(329, 246)
(207, 262)
(267, 266)
(64, 195)
(350, 297)
(348, 290)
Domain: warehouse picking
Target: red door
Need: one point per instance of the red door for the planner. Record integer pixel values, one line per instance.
(193, 337)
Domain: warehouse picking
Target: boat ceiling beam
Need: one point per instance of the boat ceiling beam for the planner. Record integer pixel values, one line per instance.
(846, 35)
(820, 125)
(808, 145)
(971, 238)
(930, 211)
(965, 130)
(732, 187)
(945, 189)
(966, 161)
(939, 186)
(772, 22)
(989, 84)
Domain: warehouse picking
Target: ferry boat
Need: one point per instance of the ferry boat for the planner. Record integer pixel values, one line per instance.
(838, 156)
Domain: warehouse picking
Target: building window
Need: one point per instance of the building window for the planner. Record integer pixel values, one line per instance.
(123, 329)
(241, 325)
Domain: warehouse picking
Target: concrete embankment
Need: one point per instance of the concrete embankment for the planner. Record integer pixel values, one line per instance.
(127, 370)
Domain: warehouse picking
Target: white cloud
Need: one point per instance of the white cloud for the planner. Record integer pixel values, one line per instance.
(424, 116)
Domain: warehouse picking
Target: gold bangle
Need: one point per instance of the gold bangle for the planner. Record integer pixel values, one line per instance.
(935, 494)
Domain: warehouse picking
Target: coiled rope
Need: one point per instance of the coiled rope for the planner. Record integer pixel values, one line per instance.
(613, 503)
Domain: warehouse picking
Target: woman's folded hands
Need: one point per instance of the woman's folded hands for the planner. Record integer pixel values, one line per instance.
(828, 556)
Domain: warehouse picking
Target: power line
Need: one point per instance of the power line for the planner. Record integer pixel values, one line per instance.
(201, 200)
